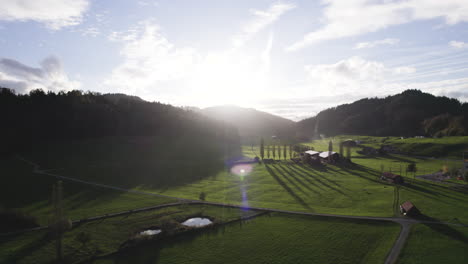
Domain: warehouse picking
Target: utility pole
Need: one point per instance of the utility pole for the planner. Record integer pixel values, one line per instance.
(58, 218)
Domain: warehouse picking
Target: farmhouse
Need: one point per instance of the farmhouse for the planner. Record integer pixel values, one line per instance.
(329, 155)
(393, 178)
(310, 156)
(408, 208)
(312, 153)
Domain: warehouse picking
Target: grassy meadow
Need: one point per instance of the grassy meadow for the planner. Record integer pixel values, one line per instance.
(276, 238)
(30, 193)
(282, 185)
(435, 244)
(107, 235)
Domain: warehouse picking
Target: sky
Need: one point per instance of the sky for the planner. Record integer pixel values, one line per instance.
(291, 58)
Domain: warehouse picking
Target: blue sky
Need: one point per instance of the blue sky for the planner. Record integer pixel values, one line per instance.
(291, 58)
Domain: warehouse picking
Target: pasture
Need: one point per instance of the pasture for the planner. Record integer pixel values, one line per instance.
(276, 238)
(435, 244)
(106, 235)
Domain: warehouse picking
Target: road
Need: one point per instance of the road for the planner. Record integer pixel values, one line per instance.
(391, 258)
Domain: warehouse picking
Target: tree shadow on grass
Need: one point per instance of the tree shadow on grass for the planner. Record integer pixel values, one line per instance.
(423, 189)
(290, 180)
(309, 169)
(399, 159)
(288, 189)
(317, 177)
(443, 228)
(361, 172)
(291, 173)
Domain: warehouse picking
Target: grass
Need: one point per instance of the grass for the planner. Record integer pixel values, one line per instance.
(30, 193)
(435, 244)
(275, 239)
(107, 235)
(445, 147)
(284, 185)
(435, 200)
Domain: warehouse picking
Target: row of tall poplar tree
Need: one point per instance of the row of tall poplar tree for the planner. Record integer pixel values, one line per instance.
(282, 150)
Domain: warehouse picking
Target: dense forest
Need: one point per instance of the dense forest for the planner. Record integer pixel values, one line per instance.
(410, 113)
(39, 116)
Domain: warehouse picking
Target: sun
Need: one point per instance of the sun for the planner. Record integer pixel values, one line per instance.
(228, 78)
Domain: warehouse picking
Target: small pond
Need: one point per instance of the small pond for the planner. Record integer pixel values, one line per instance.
(197, 222)
(150, 232)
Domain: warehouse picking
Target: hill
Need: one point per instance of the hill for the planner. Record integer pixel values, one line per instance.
(252, 123)
(409, 113)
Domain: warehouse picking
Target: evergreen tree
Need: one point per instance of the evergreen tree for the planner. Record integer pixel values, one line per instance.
(274, 151)
(284, 152)
(262, 149)
(269, 151)
(348, 153)
(341, 149)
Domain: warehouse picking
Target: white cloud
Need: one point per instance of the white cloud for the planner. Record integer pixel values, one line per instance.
(49, 76)
(90, 31)
(55, 14)
(261, 20)
(149, 59)
(372, 44)
(404, 70)
(353, 75)
(458, 44)
(356, 17)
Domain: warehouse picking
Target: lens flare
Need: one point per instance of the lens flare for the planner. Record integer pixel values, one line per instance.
(241, 169)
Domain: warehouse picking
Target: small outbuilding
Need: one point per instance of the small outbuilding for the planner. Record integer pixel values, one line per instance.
(329, 155)
(312, 153)
(407, 208)
(393, 178)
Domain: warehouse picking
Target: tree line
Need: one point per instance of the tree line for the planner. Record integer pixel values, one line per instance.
(410, 113)
(38, 116)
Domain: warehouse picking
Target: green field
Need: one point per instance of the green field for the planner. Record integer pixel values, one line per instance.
(283, 185)
(445, 147)
(107, 235)
(30, 193)
(275, 239)
(137, 164)
(435, 244)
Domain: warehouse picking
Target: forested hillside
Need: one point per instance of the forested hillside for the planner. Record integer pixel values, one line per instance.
(410, 113)
(253, 124)
(36, 117)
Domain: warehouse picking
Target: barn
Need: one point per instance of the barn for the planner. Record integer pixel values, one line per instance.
(329, 155)
(312, 153)
(408, 208)
(393, 178)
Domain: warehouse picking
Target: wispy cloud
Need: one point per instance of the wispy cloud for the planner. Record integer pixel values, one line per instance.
(23, 78)
(356, 17)
(261, 19)
(149, 59)
(55, 14)
(458, 44)
(355, 75)
(90, 31)
(372, 44)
